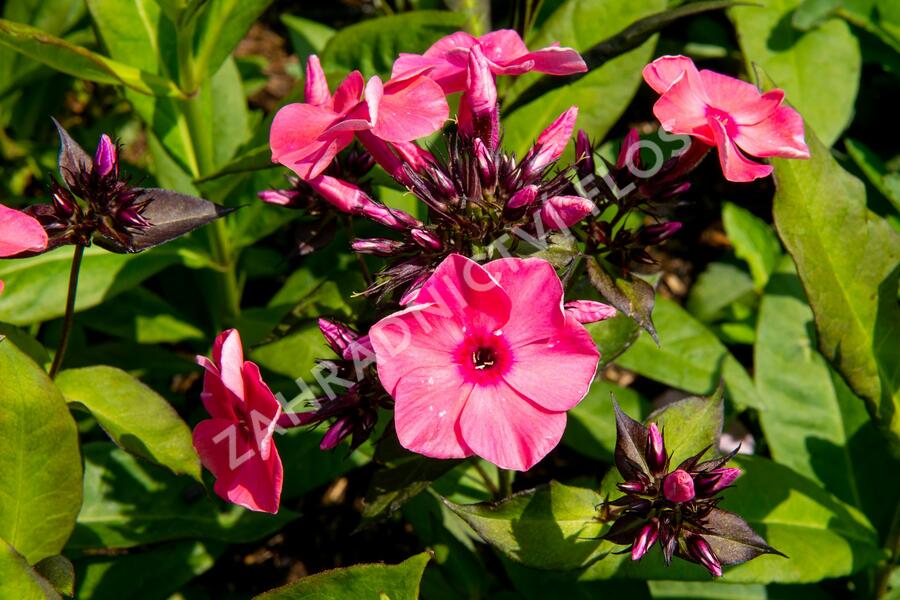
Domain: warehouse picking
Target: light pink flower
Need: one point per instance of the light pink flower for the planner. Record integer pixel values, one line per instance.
(446, 62)
(485, 362)
(727, 113)
(236, 444)
(305, 137)
(551, 143)
(19, 233)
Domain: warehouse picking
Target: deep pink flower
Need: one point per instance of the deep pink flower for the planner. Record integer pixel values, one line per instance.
(485, 362)
(446, 62)
(561, 212)
(19, 233)
(478, 115)
(727, 113)
(678, 486)
(305, 137)
(236, 444)
(551, 143)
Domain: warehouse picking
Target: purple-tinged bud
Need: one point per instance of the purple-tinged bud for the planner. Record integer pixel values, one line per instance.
(426, 239)
(132, 218)
(377, 246)
(412, 292)
(561, 212)
(678, 486)
(338, 335)
(645, 539)
(712, 482)
(444, 185)
(361, 348)
(336, 433)
(656, 449)
(393, 218)
(589, 311)
(316, 87)
(105, 158)
(484, 158)
(279, 197)
(343, 195)
(632, 487)
(414, 155)
(478, 115)
(551, 143)
(63, 202)
(629, 154)
(655, 234)
(700, 549)
(584, 154)
(523, 197)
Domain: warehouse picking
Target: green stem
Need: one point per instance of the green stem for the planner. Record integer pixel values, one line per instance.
(70, 311)
(504, 477)
(883, 578)
(488, 482)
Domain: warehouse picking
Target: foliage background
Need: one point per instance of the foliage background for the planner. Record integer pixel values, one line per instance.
(730, 304)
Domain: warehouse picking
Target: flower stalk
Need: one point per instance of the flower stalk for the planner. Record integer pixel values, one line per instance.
(70, 311)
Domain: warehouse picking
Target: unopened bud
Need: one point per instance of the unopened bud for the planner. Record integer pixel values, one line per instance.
(713, 482)
(655, 234)
(377, 246)
(561, 212)
(523, 197)
(629, 154)
(584, 154)
(701, 550)
(656, 449)
(678, 486)
(338, 335)
(426, 239)
(336, 433)
(645, 539)
(105, 158)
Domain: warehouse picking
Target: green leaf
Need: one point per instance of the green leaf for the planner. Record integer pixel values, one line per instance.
(138, 419)
(142, 316)
(805, 64)
(221, 25)
(631, 295)
(814, 423)
(591, 429)
(130, 503)
(716, 289)
(874, 170)
(40, 474)
(20, 581)
(847, 259)
(753, 241)
(550, 527)
(295, 354)
(372, 46)
(254, 159)
(147, 575)
(690, 426)
(362, 582)
(689, 357)
(604, 93)
(80, 62)
(310, 466)
(36, 287)
(613, 336)
(59, 572)
(307, 36)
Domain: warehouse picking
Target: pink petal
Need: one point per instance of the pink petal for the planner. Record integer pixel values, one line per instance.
(735, 166)
(569, 360)
(419, 337)
(504, 428)
(427, 406)
(20, 232)
(228, 355)
(349, 92)
(741, 100)
(217, 456)
(316, 87)
(450, 76)
(381, 152)
(299, 141)
(464, 289)
(557, 61)
(480, 88)
(663, 72)
(410, 109)
(553, 140)
(262, 408)
(413, 154)
(560, 212)
(502, 46)
(589, 311)
(343, 195)
(779, 135)
(536, 294)
(682, 109)
(451, 45)
(219, 401)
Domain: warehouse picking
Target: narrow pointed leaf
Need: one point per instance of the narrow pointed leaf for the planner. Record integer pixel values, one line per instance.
(733, 540)
(80, 62)
(72, 157)
(631, 445)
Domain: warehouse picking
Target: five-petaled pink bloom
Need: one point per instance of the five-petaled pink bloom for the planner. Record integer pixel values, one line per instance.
(305, 137)
(236, 444)
(447, 61)
(727, 113)
(486, 360)
(19, 233)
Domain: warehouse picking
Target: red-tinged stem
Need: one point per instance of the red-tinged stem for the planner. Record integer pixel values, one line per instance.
(70, 311)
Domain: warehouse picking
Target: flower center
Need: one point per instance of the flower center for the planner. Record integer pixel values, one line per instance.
(484, 358)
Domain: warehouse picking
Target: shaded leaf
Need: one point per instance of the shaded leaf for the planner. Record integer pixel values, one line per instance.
(81, 62)
(72, 157)
(874, 170)
(59, 572)
(550, 527)
(717, 289)
(20, 581)
(690, 425)
(634, 297)
(221, 25)
(307, 36)
(365, 582)
(733, 540)
(138, 419)
(852, 287)
(130, 503)
(631, 445)
(753, 241)
(591, 429)
(40, 474)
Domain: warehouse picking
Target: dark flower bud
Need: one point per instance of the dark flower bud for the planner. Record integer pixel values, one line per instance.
(106, 158)
(656, 449)
(713, 482)
(523, 197)
(426, 239)
(338, 335)
(377, 246)
(336, 433)
(629, 154)
(485, 161)
(645, 539)
(632, 487)
(655, 234)
(700, 549)
(584, 153)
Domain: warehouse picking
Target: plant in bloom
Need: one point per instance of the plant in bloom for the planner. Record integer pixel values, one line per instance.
(236, 444)
(727, 113)
(678, 508)
(468, 360)
(19, 233)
